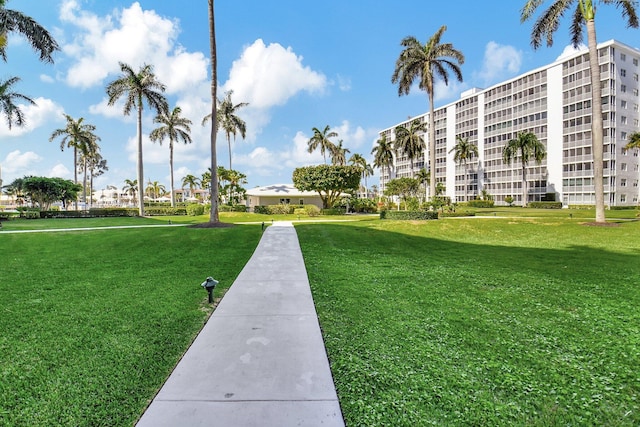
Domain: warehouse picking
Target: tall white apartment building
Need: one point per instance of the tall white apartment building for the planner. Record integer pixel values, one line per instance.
(553, 102)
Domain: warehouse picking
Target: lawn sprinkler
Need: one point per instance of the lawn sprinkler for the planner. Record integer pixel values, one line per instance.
(209, 285)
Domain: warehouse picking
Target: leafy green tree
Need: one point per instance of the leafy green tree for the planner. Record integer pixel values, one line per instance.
(155, 189)
(583, 16)
(8, 98)
(96, 166)
(463, 152)
(174, 128)
(525, 147)
(409, 140)
(44, 191)
(425, 63)
(320, 140)
(383, 156)
(228, 119)
(329, 181)
(81, 137)
(13, 21)
(402, 187)
(138, 88)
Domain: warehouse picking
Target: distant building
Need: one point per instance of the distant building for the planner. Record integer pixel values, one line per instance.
(281, 194)
(553, 102)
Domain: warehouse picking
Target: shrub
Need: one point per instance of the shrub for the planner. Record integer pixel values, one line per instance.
(195, 209)
(480, 203)
(260, 210)
(582, 207)
(333, 211)
(409, 215)
(312, 210)
(623, 208)
(545, 205)
(280, 209)
(113, 212)
(451, 214)
(234, 208)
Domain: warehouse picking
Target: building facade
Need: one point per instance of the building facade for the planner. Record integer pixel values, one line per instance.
(554, 103)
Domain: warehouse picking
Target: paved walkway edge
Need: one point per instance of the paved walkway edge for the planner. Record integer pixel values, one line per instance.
(260, 360)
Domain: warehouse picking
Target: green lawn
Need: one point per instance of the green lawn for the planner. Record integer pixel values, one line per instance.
(93, 321)
(481, 321)
(461, 321)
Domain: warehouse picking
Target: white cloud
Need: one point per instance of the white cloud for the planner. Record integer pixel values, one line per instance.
(46, 78)
(570, 50)
(344, 83)
(35, 116)
(60, 171)
(133, 36)
(18, 164)
(444, 92)
(499, 61)
(266, 76)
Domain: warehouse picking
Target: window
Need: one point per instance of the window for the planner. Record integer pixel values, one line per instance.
(635, 92)
(635, 77)
(623, 120)
(623, 166)
(623, 57)
(623, 182)
(623, 198)
(623, 104)
(623, 72)
(623, 136)
(623, 88)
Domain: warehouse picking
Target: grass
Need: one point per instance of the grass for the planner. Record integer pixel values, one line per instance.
(513, 321)
(93, 322)
(472, 321)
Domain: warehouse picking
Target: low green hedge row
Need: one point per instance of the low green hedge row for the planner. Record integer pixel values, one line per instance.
(456, 214)
(545, 205)
(235, 208)
(480, 203)
(409, 215)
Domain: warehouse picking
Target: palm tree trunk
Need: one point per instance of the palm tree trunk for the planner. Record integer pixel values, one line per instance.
(524, 185)
(215, 215)
(466, 177)
(75, 172)
(84, 183)
(432, 145)
(596, 121)
(140, 171)
(229, 144)
(173, 198)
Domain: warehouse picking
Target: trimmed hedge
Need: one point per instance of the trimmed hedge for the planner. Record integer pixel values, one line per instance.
(409, 215)
(545, 205)
(480, 203)
(333, 211)
(234, 208)
(195, 209)
(456, 214)
(623, 208)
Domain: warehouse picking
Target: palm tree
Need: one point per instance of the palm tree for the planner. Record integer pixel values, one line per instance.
(130, 187)
(634, 141)
(214, 216)
(367, 171)
(175, 128)
(320, 140)
(583, 16)
(409, 140)
(339, 154)
(463, 152)
(424, 178)
(227, 118)
(235, 179)
(383, 156)
(7, 102)
(12, 21)
(137, 88)
(426, 63)
(87, 152)
(96, 166)
(155, 189)
(525, 147)
(79, 136)
(192, 182)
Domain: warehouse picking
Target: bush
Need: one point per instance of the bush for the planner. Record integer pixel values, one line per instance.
(409, 215)
(312, 210)
(480, 203)
(452, 214)
(623, 208)
(234, 208)
(195, 209)
(333, 211)
(113, 212)
(280, 209)
(582, 207)
(545, 205)
(260, 210)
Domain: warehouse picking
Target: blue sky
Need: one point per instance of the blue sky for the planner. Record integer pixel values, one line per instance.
(299, 65)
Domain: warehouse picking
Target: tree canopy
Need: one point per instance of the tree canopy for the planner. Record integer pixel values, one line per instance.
(44, 191)
(330, 181)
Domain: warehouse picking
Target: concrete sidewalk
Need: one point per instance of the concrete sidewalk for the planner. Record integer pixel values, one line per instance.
(260, 359)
